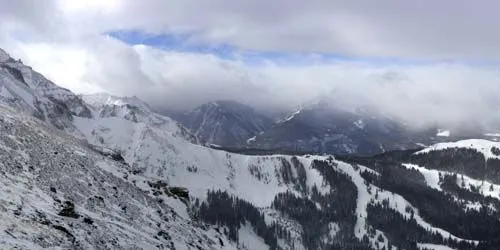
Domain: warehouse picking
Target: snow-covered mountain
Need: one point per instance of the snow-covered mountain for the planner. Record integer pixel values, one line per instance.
(325, 127)
(29, 91)
(121, 176)
(104, 99)
(226, 123)
(56, 192)
(115, 109)
(320, 126)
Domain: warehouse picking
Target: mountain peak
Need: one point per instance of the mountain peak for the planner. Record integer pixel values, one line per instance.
(4, 56)
(28, 91)
(225, 122)
(103, 99)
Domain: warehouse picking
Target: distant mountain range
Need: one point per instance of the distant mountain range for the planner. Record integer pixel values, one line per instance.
(319, 127)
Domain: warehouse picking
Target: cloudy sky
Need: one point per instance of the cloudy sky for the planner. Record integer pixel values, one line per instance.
(420, 60)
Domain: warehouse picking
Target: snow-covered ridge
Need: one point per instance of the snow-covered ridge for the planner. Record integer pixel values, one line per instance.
(482, 146)
(158, 154)
(103, 99)
(116, 112)
(291, 116)
(31, 93)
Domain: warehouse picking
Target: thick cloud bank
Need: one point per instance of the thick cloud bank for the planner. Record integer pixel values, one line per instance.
(445, 71)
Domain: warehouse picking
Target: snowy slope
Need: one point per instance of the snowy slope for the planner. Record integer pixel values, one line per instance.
(158, 154)
(483, 146)
(249, 240)
(45, 172)
(200, 169)
(132, 109)
(432, 177)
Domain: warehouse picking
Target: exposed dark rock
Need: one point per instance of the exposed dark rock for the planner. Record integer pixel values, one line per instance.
(69, 210)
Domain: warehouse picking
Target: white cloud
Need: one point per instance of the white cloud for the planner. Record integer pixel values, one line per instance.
(65, 41)
(444, 29)
(68, 67)
(388, 28)
(92, 5)
(450, 93)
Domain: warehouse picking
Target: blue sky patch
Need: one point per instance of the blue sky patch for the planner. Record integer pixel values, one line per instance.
(182, 42)
(174, 42)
